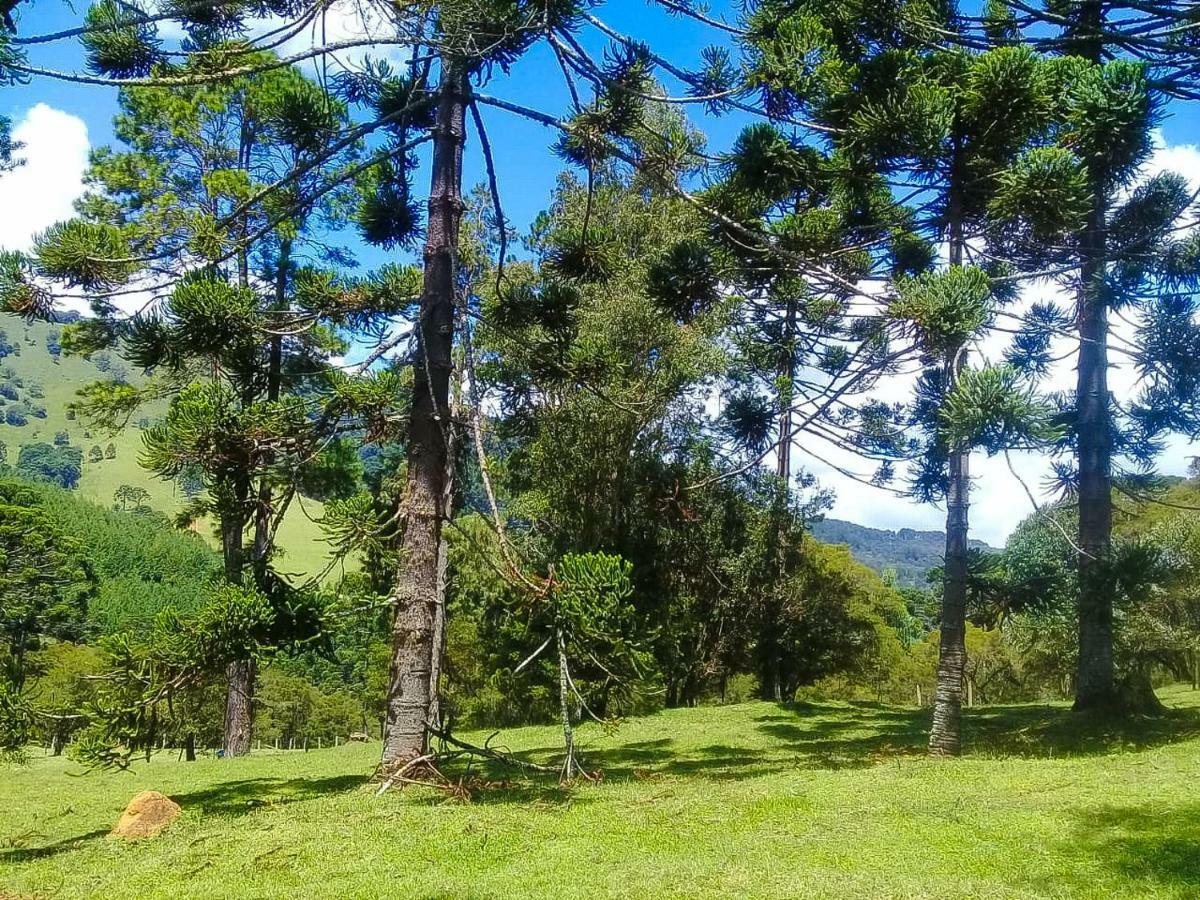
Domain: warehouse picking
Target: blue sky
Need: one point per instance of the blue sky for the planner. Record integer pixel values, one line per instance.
(60, 121)
(527, 166)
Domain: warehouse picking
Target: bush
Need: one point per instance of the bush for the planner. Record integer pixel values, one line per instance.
(44, 462)
(291, 710)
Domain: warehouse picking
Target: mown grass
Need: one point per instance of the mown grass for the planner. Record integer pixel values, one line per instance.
(754, 800)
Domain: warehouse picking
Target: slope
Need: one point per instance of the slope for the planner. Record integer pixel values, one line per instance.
(48, 382)
(907, 554)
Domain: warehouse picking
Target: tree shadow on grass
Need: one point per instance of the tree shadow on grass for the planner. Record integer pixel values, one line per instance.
(1054, 731)
(817, 737)
(862, 734)
(1154, 847)
(20, 854)
(231, 798)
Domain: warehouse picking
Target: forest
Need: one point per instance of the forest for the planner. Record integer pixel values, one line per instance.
(323, 430)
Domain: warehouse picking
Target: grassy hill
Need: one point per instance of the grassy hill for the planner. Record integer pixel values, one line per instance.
(906, 553)
(33, 370)
(753, 800)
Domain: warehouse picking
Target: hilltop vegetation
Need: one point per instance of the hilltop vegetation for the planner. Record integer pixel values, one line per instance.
(906, 555)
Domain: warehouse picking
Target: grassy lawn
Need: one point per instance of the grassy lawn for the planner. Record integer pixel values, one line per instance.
(754, 800)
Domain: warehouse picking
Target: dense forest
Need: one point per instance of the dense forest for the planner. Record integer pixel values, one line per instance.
(905, 556)
(563, 470)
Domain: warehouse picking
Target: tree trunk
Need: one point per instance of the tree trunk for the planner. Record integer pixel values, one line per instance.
(264, 507)
(564, 707)
(189, 747)
(770, 646)
(1136, 693)
(415, 593)
(1094, 684)
(945, 737)
(443, 583)
(239, 706)
(240, 674)
(787, 372)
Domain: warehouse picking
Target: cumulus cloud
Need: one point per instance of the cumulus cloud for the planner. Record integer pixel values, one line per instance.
(1000, 499)
(41, 191)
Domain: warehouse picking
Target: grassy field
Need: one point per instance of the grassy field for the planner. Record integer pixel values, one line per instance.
(754, 800)
(304, 551)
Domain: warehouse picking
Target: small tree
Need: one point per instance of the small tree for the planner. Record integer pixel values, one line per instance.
(128, 494)
(584, 614)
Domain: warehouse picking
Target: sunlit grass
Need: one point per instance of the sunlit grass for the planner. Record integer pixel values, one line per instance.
(753, 800)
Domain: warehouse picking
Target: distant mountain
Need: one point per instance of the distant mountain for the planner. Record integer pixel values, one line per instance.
(907, 553)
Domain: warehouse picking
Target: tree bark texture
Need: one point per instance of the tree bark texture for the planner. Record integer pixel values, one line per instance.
(410, 694)
(1094, 679)
(945, 738)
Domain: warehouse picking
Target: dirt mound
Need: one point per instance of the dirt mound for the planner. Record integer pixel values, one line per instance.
(146, 815)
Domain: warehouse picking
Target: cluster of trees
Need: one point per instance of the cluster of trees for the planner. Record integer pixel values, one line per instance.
(572, 474)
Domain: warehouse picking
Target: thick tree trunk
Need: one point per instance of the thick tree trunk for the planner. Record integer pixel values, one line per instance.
(189, 747)
(241, 673)
(415, 597)
(1136, 693)
(945, 737)
(239, 706)
(1095, 685)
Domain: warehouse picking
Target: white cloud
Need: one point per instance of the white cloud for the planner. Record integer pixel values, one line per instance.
(42, 190)
(1181, 158)
(999, 500)
(341, 22)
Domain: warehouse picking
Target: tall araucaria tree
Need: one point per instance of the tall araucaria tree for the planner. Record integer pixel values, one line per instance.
(940, 126)
(1125, 258)
(236, 331)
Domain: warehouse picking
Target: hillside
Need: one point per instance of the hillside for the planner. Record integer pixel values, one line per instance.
(906, 553)
(140, 563)
(752, 800)
(37, 384)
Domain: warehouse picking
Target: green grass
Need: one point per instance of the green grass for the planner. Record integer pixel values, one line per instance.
(754, 800)
(304, 551)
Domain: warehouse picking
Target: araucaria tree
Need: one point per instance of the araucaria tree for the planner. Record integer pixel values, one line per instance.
(938, 127)
(1125, 257)
(199, 212)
